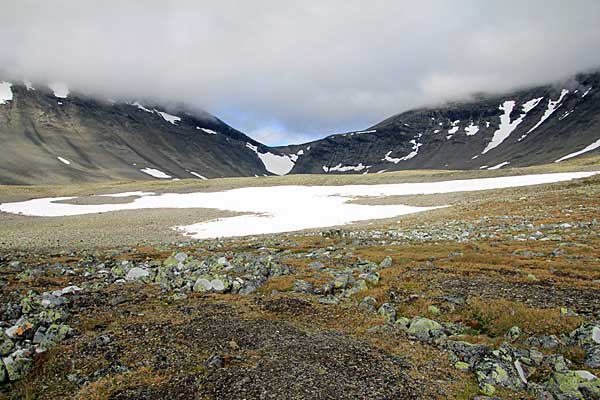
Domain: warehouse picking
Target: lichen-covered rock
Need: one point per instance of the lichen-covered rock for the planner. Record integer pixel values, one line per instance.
(567, 385)
(342, 281)
(388, 312)
(3, 373)
(301, 286)
(386, 263)
(425, 329)
(466, 351)
(137, 273)
(358, 286)
(500, 368)
(17, 365)
(368, 304)
(588, 337)
(513, 333)
(6, 345)
(202, 285)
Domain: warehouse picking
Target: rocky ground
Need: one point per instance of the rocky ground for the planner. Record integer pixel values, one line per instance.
(496, 297)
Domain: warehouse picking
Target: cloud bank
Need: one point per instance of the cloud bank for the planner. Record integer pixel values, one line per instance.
(289, 71)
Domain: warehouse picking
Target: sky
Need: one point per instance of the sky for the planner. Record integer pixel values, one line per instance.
(287, 71)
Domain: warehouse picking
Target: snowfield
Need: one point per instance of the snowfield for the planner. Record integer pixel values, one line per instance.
(282, 208)
(5, 92)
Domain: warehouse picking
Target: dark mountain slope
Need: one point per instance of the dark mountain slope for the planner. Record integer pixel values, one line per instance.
(107, 141)
(527, 127)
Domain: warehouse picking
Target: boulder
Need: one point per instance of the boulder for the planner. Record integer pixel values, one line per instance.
(388, 312)
(137, 273)
(567, 384)
(425, 329)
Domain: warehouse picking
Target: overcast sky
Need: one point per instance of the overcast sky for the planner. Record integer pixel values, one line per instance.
(289, 71)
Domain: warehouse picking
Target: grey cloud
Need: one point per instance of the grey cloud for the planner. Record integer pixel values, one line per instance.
(289, 70)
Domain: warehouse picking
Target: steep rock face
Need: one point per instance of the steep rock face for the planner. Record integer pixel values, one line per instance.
(51, 136)
(527, 127)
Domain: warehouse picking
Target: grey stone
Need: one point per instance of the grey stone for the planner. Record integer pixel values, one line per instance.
(214, 361)
(368, 304)
(202, 285)
(425, 329)
(137, 273)
(181, 257)
(388, 312)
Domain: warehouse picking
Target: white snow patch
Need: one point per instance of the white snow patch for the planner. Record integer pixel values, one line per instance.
(64, 160)
(487, 124)
(274, 163)
(471, 129)
(155, 173)
(284, 208)
(209, 131)
(436, 131)
(591, 147)
(141, 107)
(60, 90)
(565, 115)
(502, 164)
(382, 171)
(586, 92)
(28, 85)
(474, 157)
(483, 167)
(553, 105)
(388, 158)
(346, 168)
(6, 93)
(198, 175)
(506, 126)
(174, 119)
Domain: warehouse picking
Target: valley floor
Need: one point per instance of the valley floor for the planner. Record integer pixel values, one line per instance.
(498, 295)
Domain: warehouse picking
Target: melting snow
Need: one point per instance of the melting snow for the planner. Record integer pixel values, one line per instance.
(6, 93)
(388, 158)
(346, 168)
(502, 164)
(591, 147)
(155, 173)
(198, 175)
(60, 90)
(209, 131)
(436, 131)
(276, 164)
(506, 126)
(64, 160)
(565, 115)
(483, 167)
(141, 107)
(586, 92)
(454, 129)
(168, 117)
(471, 129)
(28, 85)
(553, 105)
(382, 171)
(284, 208)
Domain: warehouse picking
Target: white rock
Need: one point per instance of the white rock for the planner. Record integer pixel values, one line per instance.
(137, 273)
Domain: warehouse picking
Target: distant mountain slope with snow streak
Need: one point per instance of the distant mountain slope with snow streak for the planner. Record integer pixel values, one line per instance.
(527, 127)
(53, 135)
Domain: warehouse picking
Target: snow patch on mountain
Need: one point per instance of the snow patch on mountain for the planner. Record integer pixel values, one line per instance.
(346, 168)
(209, 131)
(173, 119)
(64, 160)
(28, 85)
(553, 105)
(274, 163)
(155, 173)
(6, 93)
(586, 92)
(141, 107)
(198, 175)
(471, 129)
(502, 164)
(59, 89)
(506, 126)
(591, 147)
(453, 130)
